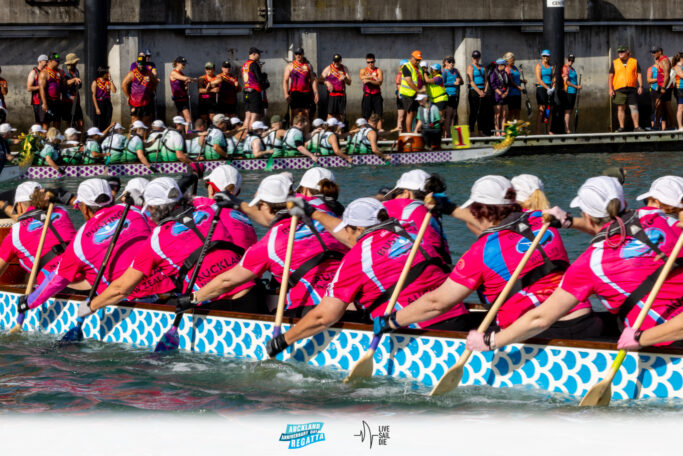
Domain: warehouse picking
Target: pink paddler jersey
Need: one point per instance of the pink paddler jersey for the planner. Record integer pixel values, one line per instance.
(407, 210)
(172, 243)
(374, 264)
(240, 227)
(84, 256)
(22, 241)
(492, 259)
(612, 274)
(268, 254)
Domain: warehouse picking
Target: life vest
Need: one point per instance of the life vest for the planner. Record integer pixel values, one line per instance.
(249, 142)
(102, 89)
(271, 140)
(325, 148)
(57, 249)
(227, 93)
(449, 80)
(360, 144)
(178, 88)
(205, 82)
(437, 92)
(288, 142)
(140, 95)
(371, 89)
(426, 116)
(654, 86)
(300, 77)
(478, 77)
(249, 78)
(679, 80)
(415, 76)
(54, 84)
(546, 75)
(625, 75)
(660, 72)
(573, 78)
(336, 78)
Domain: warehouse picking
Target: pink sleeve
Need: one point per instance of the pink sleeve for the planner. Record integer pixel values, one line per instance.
(48, 288)
(468, 271)
(7, 248)
(70, 265)
(578, 280)
(347, 281)
(145, 261)
(256, 258)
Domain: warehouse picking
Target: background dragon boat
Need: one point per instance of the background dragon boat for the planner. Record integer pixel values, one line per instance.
(566, 367)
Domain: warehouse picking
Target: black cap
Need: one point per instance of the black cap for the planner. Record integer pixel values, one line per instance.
(449, 59)
(337, 58)
(180, 59)
(114, 183)
(147, 52)
(476, 54)
(53, 56)
(299, 51)
(571, 57)
(254, 50)
(654, 49)
(226, 64)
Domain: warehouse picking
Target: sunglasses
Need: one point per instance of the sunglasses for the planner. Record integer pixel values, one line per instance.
(369, 61)
(621, 52)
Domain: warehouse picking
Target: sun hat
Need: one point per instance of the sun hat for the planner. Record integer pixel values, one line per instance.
(90, 190)
(490, 190)
(158, 124)
(258, 125)
(311, 178)
(361, 213)
(225, 175)
(667, 190)
(39, 129)
(179, 120)
(160, 192)
(272, 189)
(68, 132)
(525, 185)
(420, 97)
(596, 193)
(94, 131)
(24, 191)
(318, 122)
(139, 124)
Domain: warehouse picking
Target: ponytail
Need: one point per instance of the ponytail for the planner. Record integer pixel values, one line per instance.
(329, 189)
(537, 201)
(613, 215)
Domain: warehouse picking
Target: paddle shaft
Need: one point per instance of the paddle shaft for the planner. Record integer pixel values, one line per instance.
(576, 110)
(36, 260)
(282, 297)
(528, 103)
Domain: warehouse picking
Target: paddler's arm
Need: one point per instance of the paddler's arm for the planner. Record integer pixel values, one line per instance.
(3, 266)
(220, 151)
(667, 331)
(330, 222)
(303, 151)
(334, 142)
(372, 136)
(118, 290)
(432, 304)
(224, 282)
(51, 163)
(533, 322)
(182, 156)
(324, 315)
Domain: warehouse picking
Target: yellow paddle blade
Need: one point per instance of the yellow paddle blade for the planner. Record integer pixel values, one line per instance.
(16, 329)
(363, 368)
(599, 394)
(449, 381)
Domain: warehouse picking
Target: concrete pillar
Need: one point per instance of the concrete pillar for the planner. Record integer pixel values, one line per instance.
(309, 41)
(466, 40)
(123, 51)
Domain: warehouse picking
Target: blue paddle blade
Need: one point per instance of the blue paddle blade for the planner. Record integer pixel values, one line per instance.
(168, 342)
(75, 334)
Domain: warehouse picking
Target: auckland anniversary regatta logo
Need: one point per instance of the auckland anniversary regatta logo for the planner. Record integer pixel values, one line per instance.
(301, 435)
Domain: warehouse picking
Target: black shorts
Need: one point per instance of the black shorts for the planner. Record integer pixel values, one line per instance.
(399, 103)
(36, 113)
(409, 103)
(181, 106)
(207, 106)
(336, 105)
(441, 105)
(227, 108)
(53, 114)
(142, 111)
(514, 102)
(372, 103)
(569, 101)
(666, 96)
(253, 102)
(68, 107)
(300, 100)
(541, 96)
(582, 328)
(453, 101)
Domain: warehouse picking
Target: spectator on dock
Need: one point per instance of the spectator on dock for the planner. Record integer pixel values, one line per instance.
(71, 94)
(336, 78)
(300, 85)
(208, 88)
(625, 83)
(227, 91)
(50, 84)
(101, 89)
(654, 96)
(478, 87)
(500, 84)
(664, 87)
(180, 89)
(255, 83)
(452, 81)
(571, 88)
(544, 91)
(33, 88)
(411, 83)
(514, 98)
(428, 122)
(678, 69)
(372, 78)
(139, 86)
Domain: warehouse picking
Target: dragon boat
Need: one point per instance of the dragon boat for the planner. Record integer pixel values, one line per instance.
(569, 368)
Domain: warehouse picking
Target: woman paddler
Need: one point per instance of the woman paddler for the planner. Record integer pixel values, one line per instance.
(315, 256)
(618, 267)
(491, 260)
(85, 253)
(530, 195)
(320, 189)
(173, 248)
(370, 270)
(21, 244)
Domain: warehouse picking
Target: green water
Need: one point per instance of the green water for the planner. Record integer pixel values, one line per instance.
(35, 376)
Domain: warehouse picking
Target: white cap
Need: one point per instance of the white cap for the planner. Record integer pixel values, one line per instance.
(158, 192)
(311, 178)
(410, 180)
(341, 124)
(596, 193)
(525, 185)
(258, 125)
(332, 122)
(424, 64)
(667, 190)
(59, 137)
(139, 124)
(318, 122)
(136, 183)
(288, 176)
(490, 190)
(235, 120)
(94, 131)
(157, 124)
(38, 129)
(179, 120)
(420, 97)
(42, 58)
(272, 189)
(219, 118)
(118, 126)
(361, 121)
(89, 190)
(361, 212)
(6, 128)
(68, 132)
(225, 175)
(25, 190)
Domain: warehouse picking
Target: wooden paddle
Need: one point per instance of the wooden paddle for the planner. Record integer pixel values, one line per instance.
(576, 110)
(364, 366)
(36, 266)
(601, 392)
(282, 297)
(75, 334)
(451, 379)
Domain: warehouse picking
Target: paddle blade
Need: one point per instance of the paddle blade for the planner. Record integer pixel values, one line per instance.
(363, 368)
(168, 342)
(75, 334)
(449, 381)
(269, 163)
(599, 394)
(16, 329)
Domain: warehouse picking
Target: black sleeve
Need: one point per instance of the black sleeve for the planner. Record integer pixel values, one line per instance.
(256, 69)
(405, 71)
(638, 67)
(298, 143)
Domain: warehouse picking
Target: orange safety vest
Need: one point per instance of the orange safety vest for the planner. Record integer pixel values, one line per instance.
(625, 75)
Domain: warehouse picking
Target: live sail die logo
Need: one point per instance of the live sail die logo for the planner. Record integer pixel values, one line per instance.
(301, 435)
(367, 436)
